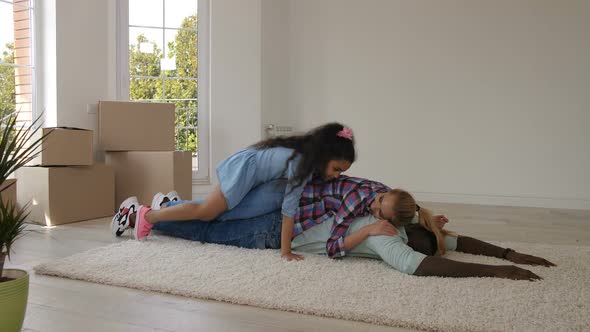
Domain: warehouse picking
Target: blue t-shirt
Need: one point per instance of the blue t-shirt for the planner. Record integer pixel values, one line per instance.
(249, 168)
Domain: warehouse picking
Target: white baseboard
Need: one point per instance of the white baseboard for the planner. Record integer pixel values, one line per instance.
(542, 202)
(201, 191)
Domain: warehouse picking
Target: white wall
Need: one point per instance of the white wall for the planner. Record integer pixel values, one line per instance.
(275, 58)
(77, 60)
(236, 82)
(235, 76)
(481, 102)
(84, 52)
(46, 59)
(81, 35)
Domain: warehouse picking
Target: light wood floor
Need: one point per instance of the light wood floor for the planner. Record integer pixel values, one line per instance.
(62, 305)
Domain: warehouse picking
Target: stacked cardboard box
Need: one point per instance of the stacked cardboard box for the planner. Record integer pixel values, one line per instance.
(8, 191)
(138, 140)
(63, 184)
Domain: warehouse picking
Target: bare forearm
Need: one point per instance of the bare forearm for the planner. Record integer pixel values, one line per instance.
(470, 245)
(356, 238)
(286, 235)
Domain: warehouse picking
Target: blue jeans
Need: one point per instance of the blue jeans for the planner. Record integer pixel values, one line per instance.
(262, 232)
(254, 223)
(265, 198)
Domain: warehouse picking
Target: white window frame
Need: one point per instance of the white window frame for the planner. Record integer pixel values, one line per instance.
(202, 175)
(33, 17)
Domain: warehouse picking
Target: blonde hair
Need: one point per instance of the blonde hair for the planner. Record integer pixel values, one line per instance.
(405, 209)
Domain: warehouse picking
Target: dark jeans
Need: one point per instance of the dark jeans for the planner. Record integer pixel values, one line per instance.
(265, 198)
(257, 231)
(262, 232)
(254, 223)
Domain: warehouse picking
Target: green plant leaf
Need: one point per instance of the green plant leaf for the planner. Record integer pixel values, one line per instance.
(18, 146)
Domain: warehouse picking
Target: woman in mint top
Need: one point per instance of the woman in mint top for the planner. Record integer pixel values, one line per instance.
(413, 249)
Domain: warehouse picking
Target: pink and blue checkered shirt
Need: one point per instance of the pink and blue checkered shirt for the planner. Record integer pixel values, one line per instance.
(344, 198)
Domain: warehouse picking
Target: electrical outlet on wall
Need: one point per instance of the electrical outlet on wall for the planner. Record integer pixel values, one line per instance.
(91, 108)
(273, 130)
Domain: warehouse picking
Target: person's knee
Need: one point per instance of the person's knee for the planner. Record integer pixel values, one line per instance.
(206, 213)
(421, 240)
(202, 212)
(207, 217)
(193, 209)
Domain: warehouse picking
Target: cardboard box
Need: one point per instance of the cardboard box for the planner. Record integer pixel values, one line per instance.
(65, 147)
(133, 126)
(143, 173)
(60, 195)
(8, 189)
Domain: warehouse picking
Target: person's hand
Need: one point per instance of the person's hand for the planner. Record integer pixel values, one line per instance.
(514, 273)
(440, 220)
(382, 227)
(518, 258)
(291, 256)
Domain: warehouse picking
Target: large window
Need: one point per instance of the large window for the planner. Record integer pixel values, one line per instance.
(163, 63)
(16, 59)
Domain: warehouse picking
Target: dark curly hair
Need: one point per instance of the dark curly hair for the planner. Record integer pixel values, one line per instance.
(317, 148)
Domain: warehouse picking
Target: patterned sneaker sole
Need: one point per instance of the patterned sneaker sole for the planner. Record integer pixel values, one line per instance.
(120, 221)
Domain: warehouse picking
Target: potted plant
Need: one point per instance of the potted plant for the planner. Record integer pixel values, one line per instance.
(18, 146)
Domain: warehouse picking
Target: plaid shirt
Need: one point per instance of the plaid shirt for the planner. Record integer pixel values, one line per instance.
(344, 199)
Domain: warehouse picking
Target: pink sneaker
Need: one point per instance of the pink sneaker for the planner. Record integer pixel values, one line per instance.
(142, 228)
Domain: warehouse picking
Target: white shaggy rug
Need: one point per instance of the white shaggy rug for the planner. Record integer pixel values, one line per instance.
(355, 289)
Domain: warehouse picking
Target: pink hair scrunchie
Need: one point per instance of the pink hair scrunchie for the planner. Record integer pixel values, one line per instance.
(346, 133)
